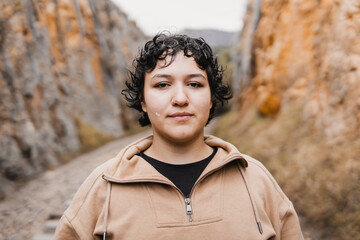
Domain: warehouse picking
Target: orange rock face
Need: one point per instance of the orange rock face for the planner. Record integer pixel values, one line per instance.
(310, 50)
(62, 67)
(299, 62)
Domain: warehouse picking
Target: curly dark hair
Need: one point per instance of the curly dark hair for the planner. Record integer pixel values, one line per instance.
(159, 48)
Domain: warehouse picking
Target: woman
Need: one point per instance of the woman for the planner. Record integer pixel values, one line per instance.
(178, 183)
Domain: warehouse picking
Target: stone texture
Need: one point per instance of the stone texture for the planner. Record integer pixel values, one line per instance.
(302, 53)
(299, 66)
(61, 61)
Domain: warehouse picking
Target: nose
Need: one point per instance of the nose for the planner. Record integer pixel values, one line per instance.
(180, 97)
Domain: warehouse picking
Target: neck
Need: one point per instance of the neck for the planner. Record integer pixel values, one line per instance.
(179, 153)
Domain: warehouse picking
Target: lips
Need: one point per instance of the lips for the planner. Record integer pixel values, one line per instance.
(181, 116)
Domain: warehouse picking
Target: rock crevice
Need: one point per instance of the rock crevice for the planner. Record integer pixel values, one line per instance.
(63, 63)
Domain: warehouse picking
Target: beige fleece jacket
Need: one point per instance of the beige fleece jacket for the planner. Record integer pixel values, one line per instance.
(234, 198)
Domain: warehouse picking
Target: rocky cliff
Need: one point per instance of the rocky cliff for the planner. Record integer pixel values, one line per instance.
(298, 83)
(63, 65)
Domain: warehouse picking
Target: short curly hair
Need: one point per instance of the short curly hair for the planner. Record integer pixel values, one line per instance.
(159, 48)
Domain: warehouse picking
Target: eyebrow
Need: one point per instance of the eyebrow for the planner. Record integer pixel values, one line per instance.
(193, 75)
(161, 76)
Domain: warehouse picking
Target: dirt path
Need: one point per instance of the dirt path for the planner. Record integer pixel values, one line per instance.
(25, 213)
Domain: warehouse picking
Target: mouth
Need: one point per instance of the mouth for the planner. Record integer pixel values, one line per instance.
(181, 116)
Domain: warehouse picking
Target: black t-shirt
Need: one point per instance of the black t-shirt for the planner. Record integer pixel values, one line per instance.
(183, 176)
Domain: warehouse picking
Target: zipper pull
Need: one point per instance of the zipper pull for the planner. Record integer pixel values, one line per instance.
(188, 209)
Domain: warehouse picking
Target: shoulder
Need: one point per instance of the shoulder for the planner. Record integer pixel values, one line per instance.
(90, 191)
(263, 183)
(273, 200)
(258, 170)
(86, 206)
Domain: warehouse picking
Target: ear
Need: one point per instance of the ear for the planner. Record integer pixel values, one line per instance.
(143, 106)
(211, 102)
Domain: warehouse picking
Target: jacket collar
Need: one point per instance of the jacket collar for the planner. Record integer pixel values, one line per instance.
(128, 167)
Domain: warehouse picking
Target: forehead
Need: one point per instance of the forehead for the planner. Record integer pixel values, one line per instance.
(177, 63)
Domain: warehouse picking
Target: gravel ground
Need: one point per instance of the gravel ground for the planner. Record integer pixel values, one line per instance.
(24, 213)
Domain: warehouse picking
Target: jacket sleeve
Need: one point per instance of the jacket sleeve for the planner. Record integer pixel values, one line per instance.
(65, 231)
(290, 226)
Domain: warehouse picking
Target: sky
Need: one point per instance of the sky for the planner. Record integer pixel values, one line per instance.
(153, 16)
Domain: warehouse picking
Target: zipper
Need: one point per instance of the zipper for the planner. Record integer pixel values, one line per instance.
(210, 172)
(188, 208)
(189, 211)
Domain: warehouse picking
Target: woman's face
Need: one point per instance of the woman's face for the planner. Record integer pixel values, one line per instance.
(177, 99)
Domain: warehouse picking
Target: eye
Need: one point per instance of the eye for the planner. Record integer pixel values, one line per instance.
(195, 84)
(161, 85)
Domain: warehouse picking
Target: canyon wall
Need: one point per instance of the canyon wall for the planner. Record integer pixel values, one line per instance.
(297, 77)
(63, 65)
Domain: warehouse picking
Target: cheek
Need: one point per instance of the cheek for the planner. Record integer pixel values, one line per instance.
(155, 104)
(203, 101)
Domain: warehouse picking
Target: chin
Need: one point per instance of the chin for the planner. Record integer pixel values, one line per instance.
(183, 137)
